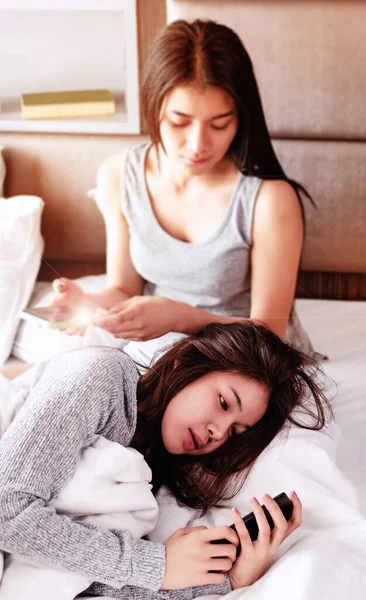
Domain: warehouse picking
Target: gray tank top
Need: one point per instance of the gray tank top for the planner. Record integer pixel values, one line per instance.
(213, 275)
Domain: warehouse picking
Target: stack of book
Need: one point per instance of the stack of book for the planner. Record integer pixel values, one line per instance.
(55, 105)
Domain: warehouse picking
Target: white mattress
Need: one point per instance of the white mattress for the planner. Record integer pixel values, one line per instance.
(338, 329)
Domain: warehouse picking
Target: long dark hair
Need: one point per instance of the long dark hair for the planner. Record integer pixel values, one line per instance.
(208, 53)
(290, 376)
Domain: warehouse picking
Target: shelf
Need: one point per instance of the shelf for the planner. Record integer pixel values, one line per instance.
(11, 119)
(101, 53)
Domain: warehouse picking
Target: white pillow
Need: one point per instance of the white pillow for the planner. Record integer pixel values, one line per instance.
(21, 247)
(2, 172)
(35, 343)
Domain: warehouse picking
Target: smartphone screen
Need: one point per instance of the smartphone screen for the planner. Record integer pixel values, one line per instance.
(59, 317)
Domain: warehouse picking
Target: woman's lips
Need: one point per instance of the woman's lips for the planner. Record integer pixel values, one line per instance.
(197, 162)
(190, 444)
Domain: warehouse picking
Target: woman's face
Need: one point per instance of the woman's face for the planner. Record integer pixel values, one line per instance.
(204, 414)
(197, 126)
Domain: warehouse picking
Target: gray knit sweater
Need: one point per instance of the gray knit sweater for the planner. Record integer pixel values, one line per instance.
(75, 396)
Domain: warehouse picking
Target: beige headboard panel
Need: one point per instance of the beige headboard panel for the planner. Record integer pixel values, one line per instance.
(309, 58)
(334, 173)
(61, 169)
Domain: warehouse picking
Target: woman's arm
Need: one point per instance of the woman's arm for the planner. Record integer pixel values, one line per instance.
(278, 234)
(123, 281)
(121, 274)
(78, 394)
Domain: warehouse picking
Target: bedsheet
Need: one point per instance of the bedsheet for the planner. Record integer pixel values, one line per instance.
(338, 328)
(326, 557)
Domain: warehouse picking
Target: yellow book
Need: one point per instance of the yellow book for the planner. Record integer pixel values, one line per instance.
(55, 105)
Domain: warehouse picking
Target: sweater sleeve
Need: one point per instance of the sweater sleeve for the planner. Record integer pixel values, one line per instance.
(78, 395)
(138, 593)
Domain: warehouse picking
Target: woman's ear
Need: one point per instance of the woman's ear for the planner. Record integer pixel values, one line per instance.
(176, 363)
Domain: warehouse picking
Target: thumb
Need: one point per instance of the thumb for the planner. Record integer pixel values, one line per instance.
(60, 285)
(182, 532)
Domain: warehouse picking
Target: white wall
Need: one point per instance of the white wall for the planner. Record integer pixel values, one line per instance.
(60, 50)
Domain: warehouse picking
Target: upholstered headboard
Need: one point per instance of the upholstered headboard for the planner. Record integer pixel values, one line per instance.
(309, 59)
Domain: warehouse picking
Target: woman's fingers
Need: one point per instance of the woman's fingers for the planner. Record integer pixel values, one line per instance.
(61, 287)
(296, 517)
(114, 321)
(276, 513)
(278, 533)
(241, 529)
(128, 331)
(223, 550)
(123, 324)
(220, 564)
(282, 527)
(223, 532)
(263, 525)
(283, 531)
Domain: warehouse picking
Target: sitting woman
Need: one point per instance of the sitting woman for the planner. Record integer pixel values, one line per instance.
(201, 415)
(202, 223)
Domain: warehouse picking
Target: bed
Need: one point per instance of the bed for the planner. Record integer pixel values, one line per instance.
(326, 557)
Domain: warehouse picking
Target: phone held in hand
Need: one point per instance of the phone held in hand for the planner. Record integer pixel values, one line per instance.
(63, 317)
(286, 506)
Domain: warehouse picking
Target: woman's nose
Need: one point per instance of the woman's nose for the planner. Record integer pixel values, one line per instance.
(197, 140)
(217, 432)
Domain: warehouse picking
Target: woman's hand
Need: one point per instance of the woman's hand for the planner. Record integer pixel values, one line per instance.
(190, 556)
(141, 318)
(255, 557)
(68, 293)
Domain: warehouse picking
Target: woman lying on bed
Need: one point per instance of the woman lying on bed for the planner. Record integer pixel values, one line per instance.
(205, 411)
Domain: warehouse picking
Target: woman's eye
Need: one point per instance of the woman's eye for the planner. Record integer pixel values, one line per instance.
(223, 403)
(225, 406)
(218, 128)
(215, 127)
(178, 124)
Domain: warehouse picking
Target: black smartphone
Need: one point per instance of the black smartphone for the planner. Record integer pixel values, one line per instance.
(286, 506)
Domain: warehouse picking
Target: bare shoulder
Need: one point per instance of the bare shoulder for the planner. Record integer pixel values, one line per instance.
(277, 212)
(277, 197)
(110, 169)
(109, 185)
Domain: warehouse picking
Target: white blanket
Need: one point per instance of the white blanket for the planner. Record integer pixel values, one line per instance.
(93, 494)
